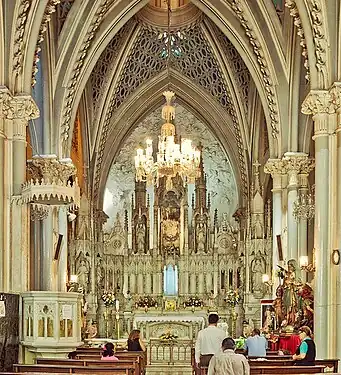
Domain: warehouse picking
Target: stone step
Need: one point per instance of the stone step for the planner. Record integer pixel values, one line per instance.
(165, 369)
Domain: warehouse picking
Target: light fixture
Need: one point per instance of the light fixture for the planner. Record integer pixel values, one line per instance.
(73, 278)
(336, 257)
(305, 265)
(266, 280)
(172, 158)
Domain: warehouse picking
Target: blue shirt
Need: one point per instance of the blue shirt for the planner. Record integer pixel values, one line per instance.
(256, 346)
(304, 346)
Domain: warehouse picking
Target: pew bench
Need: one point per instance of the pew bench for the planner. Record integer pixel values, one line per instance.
(103, 370)
(330, 363)
(135, 362)
(279, 370)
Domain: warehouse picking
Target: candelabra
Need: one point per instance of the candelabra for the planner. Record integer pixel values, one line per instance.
(304, 206)
(117, 316)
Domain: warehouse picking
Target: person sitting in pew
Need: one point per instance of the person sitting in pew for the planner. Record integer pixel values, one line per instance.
(306, 352)
(108, 352)
(256, 344)
(135, 343)
(228, 362)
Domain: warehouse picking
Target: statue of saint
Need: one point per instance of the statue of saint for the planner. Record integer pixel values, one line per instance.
(83, 274)
(128, 301)
(278, 306)
(268, 320)
(92, 330)
(201, 237)
(257, 271)
(211, 299)
(292, 283)
(141, 237)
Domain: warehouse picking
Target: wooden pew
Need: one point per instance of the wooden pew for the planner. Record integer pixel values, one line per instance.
(135, 362)
(121, 369)
(279, 370)
(330, 363)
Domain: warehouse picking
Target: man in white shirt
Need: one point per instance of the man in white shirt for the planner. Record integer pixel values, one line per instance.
(208, 342)
(256, 344)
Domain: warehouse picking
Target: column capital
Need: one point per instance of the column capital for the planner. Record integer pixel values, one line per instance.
(13, 107)
(318, 102)
(274, 167)
(296, 163)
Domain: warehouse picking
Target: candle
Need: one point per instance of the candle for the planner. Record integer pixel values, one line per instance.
(117, 305)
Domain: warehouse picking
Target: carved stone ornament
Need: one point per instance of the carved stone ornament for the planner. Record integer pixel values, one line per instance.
(291, 4)
(50, 182)
(237, 6)
(50, 8)
(78, 65)
(318, 102)
(18, 45)
(20, 107)
(295, 164)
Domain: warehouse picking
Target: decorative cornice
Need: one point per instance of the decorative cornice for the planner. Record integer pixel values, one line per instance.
(263, 66)
(18, 45)
(293, 10)
(77, 67)
(50, 8)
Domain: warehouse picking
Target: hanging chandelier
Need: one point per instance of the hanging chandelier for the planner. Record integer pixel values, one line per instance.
(172, 158)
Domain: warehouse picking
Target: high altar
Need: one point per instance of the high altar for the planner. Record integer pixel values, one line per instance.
(168, 264)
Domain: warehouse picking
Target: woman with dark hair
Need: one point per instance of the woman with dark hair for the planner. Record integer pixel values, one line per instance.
(306, 352)
(135, 343)
(108, 352)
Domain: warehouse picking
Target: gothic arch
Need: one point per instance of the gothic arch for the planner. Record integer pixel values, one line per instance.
(134, 110)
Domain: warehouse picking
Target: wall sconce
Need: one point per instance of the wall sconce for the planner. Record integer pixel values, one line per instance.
(266, 280)
(305, 265)
(336, 257)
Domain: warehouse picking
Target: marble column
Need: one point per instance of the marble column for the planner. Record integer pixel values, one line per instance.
(274, 166)
(18, 110)
(318, 104)
(338, 284)
(62, 264)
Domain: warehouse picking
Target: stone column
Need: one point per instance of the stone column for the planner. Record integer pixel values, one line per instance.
(17, 111)
(274, 166)
(62, 266)
(318, 103)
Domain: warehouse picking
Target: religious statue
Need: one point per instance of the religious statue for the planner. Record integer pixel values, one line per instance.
(258, 228)
(92, 329)
(278, 306)
(268, 324)
(83, 274)
(100, 275)
(291, 284)
(128, 301)
(141, 237)
(201, 237)
(211, 299)
(258, 267)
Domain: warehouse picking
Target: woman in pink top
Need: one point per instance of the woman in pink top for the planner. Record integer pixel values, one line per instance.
(108, 352)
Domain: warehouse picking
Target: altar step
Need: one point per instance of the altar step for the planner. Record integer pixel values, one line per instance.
(165, 369)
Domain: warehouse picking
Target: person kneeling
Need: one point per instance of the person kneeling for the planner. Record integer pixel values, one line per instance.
(108, 352)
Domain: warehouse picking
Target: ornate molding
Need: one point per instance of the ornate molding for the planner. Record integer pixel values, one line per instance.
(295, 164)
(318, 102)
(77, 67)
(274, 167)
(293, 10)
(18, 45)
(50, 182)
(263, 66)
(21, 107)
(50, 8)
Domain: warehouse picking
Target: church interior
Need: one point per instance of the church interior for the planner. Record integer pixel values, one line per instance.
(162, 160)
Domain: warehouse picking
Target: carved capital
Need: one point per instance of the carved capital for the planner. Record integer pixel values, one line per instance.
(20, 107)
(318, 102)
(274, 167)
(296, 163)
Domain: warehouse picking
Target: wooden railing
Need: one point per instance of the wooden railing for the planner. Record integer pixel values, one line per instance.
(170, 352)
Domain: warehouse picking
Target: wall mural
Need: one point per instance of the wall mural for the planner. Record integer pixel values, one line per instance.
(221, 183)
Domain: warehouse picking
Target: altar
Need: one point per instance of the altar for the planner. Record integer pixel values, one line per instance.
(184, 326)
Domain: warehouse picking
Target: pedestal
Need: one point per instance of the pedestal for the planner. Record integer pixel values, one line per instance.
(51, 325)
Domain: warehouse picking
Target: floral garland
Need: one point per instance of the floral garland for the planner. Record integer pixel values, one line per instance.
(232, 298)
(146, 301)
(194, 302)
(168, 336)
(109, 299)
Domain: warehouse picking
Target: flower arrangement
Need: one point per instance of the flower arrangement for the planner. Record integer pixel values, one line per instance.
(146, 301)
(168, 336)
(232, 298)
(193, 302)
(108, 298)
